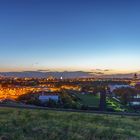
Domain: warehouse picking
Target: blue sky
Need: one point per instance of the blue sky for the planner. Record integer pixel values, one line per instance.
(69, 35)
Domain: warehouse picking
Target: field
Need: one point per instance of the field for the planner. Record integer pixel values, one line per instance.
(89, 99)
(16, 124)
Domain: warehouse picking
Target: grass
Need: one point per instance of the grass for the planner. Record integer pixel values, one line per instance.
(89, 99)
(16, 124)
(118, 107)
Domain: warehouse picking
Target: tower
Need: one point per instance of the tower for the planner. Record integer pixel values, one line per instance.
(135, 76)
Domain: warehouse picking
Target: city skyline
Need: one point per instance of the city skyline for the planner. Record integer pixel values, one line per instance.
(70, 35)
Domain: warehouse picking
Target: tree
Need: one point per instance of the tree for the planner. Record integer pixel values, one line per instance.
(102, 91)
(137, 86)
(125, 94)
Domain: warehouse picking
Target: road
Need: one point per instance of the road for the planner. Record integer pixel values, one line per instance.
(67, 110)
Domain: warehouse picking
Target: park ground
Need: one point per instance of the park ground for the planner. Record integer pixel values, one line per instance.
(22, 124)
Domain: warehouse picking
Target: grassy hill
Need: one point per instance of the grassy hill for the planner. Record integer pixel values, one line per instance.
(16, 124)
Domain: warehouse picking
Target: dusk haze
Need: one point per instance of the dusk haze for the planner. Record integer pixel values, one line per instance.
(69, 35)
(69, 69)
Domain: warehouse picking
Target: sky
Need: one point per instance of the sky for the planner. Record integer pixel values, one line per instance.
(70, 35)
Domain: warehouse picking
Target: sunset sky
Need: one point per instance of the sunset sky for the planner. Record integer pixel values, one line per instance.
(70, 35)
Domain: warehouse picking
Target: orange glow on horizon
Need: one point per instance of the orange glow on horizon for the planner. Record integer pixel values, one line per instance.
(87, 69)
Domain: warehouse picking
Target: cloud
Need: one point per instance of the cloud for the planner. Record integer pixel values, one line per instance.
(41, 70)
(107, 70)
(98, 73)
(101, 70)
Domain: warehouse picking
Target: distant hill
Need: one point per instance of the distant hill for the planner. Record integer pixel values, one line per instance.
(40, 74)
(64, 74)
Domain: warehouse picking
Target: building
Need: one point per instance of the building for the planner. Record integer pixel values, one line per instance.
(46, 98)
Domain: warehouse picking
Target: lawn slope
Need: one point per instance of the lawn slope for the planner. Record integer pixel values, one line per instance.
(16, 124)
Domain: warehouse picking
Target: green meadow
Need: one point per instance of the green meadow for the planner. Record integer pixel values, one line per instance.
(22, 124)
(89, 99)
